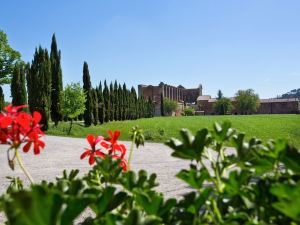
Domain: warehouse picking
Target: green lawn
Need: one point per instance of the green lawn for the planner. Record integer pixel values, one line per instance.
(159, 129)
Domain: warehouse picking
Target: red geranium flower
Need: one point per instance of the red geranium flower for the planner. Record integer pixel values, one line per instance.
(93, 141)
(18, 127)
(114, 149)
(112, 144)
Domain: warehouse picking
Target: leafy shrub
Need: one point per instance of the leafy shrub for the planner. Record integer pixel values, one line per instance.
(161, 132)
(149, 135)
(223, 106)
(169, 106)
(189, 112)
(255, 184)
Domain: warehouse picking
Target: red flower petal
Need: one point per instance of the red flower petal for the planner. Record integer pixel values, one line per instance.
(91, 159)
(5, 122)
(37, 117)
(86, 153)
(105, 145)
(27, 147)
(36, 148)
(116, 135)
(100, 154)
(90, 138)
(110, 134)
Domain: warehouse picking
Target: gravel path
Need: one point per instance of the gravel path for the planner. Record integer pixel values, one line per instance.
(63, 153)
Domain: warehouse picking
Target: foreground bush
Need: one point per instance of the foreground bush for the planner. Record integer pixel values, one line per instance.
(258, 184)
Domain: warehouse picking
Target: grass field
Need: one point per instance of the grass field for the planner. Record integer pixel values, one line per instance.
(160, 129)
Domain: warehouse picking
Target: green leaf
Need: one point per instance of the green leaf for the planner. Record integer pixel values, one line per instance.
(75, 206)
(291, 159)
(193, 177)
(150, 201)
(109, 201)
(39, 206)
(289, 199)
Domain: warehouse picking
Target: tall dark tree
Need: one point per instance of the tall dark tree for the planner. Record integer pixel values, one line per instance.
(87, 87)
(220, 95)
(125, 102)
(2, 101)
(57, 85)
(39, 85)
(120, 97)
(101, 110)
(112, 103)
(162, 110)
(18, 89)
(133, 103)
(106, 102)
(95, 106)
(116, 101)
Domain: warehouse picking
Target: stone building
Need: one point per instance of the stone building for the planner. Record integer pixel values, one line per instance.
(179, 94)
(267, 106)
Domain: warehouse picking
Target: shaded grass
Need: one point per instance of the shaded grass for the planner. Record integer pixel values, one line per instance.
(160, 129)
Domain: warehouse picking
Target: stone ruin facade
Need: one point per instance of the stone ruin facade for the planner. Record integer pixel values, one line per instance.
(179, 94)
(204, 104)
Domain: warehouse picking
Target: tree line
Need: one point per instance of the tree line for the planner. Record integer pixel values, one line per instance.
(246, 102)
(111, 102)
(39, 84)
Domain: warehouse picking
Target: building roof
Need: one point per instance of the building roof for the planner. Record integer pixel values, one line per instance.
(203, 98)
(279, 100)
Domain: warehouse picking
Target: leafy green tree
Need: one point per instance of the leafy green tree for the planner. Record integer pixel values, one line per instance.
(73, 101)
(106, 102)
(57, 85)
(39, 85)
(18, 89)
(247, 102)
(101, 110)
(95, 106)
(87, 87)
(223, 106)
(8, 58)
(169, 106)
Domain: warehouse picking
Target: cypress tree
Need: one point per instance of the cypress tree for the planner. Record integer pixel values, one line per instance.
(18, 90)
(87, 87)
(133, 103)
(125, 102)
(111, 100)
(162, 111)
(2, 102)
(106, 102)
(120, 97)
(101, 111)
(95, 106)
(39, 85)
(57, 85)
(116, 101)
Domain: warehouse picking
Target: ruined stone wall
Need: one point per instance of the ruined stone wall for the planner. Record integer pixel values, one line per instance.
(281, 107)
(278, 107)
(178, 94)
(191, 95)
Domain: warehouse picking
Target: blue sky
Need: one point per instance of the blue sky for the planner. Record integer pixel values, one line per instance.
(227, 45)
